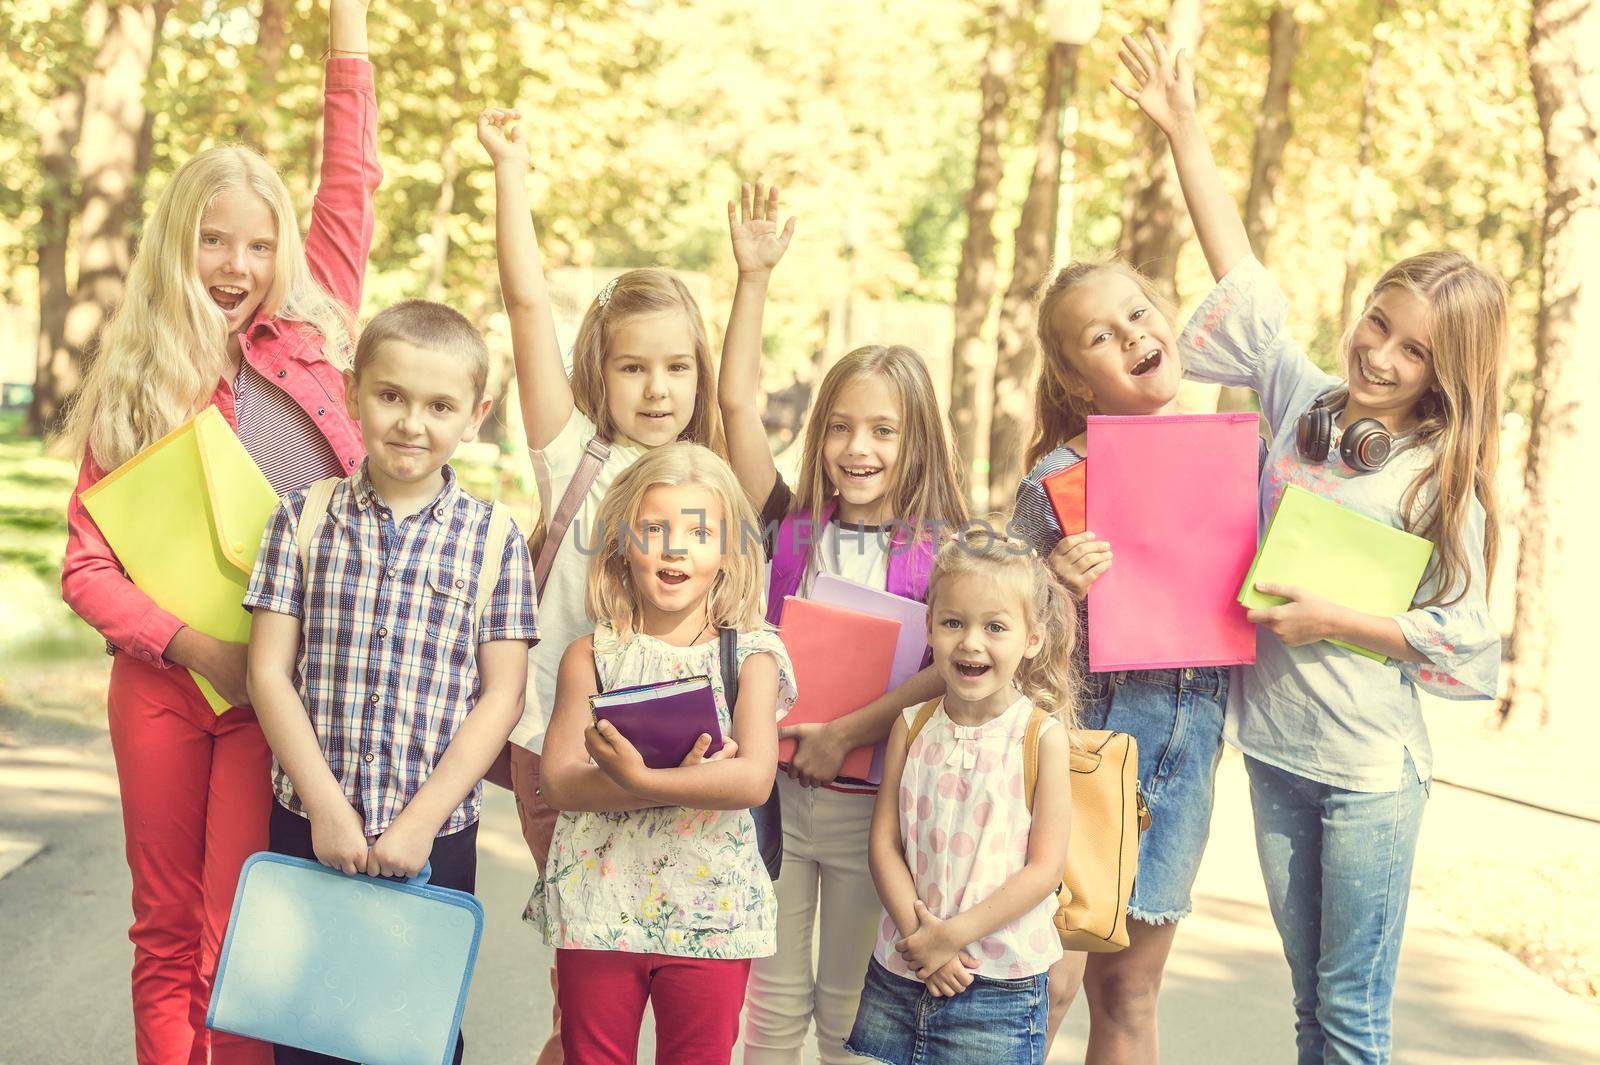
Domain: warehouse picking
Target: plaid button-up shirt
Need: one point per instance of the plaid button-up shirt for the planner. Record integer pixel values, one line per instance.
(388, 667)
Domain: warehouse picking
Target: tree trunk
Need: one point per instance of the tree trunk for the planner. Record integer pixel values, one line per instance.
(972, 362)
(1273, 129)
(271, 38)
(56, 365)
(1036, 234)
(1155, 223)
(108, 159)
(1361, 187)
(439, 229)
(1558, 575)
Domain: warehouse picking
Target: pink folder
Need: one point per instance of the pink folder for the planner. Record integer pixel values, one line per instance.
(842, 659)
(1175, 496)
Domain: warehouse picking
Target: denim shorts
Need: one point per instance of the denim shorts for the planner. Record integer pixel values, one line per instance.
(1175, 715)
(995, 1022)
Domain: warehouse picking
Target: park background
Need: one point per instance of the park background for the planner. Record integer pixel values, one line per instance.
(940, 155)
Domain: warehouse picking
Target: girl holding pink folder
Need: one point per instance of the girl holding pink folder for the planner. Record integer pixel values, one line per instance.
(223, 306)
(877, 478)
(1334, 742)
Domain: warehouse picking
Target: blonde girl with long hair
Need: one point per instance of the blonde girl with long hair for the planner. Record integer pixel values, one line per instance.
(877, 486)
(642, 376)
(223, 305)
(654, 889)
(1334, 742)
(967, 863)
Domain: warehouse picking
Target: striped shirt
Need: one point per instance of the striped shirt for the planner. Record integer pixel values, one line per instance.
(387, 668)
(1034, 521)
(279, 435)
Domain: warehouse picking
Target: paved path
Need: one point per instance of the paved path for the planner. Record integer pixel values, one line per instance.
(64, 912)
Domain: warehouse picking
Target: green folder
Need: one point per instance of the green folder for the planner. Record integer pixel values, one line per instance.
(1341, 555)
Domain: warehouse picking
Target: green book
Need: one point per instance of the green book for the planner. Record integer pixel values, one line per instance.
(1341, 555)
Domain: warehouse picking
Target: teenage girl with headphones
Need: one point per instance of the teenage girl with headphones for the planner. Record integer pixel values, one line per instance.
(1334, 742)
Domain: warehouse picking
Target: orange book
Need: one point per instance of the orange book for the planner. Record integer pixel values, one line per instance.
(841, 660)
(1065, 489)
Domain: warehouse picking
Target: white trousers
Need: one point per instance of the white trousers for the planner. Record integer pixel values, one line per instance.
(828, 916)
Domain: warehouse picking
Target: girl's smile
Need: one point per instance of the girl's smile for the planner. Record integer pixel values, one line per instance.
(1119, 345)
(860, 447)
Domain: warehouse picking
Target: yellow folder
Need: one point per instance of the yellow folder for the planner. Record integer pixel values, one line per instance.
(185, 517)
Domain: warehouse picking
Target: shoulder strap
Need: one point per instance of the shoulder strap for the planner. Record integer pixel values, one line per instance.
(728, 655)
(923, 714)
(595, 453)
(1030, 754)
(494, 549)
(319, 495)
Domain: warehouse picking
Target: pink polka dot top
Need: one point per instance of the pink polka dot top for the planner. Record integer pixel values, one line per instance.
(964, 823)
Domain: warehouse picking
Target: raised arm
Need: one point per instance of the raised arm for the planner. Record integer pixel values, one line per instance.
(542, 383)
(342, 215)
(1163, 87)
(757, 247)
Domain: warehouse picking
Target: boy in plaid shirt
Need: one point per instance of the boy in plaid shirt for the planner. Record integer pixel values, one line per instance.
(386, 679)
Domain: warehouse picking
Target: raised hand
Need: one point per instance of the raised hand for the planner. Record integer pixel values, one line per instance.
(1163, 83)
(501, 135)
(753, 225)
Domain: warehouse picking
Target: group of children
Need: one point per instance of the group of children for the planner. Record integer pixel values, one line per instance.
(395, 628)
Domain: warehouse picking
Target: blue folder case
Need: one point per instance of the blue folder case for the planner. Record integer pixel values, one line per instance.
(371, 970)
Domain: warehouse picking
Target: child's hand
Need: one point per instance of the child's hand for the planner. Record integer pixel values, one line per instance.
(930, 947)
(1165, 82)
(1079, 560)
(953, 977)
(753, 225)
(697, 753)
(1305, 618)
(402, 850)
(616, 757)
(501, 137)
(818, 753)
(338, 839)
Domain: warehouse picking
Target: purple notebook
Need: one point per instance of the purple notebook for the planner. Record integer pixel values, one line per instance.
(664, 719)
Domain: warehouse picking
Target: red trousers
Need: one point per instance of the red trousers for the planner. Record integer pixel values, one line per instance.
(697, 1002)
(196, 795)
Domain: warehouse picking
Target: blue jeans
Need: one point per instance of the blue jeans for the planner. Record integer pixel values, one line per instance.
(1337, 865)
(992, 1022)
(1175, 716)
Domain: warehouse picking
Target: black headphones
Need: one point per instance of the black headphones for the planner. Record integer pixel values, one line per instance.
(1365, 446)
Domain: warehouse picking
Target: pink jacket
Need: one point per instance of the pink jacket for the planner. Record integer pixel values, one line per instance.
(285, 353)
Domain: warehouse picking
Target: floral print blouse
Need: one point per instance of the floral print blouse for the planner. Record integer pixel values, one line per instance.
(668, 880)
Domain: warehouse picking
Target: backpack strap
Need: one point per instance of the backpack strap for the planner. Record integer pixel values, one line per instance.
(494, 549)
(595, 453)
(319, 496)
(1030, 753)
(924, 713)
(728, 655)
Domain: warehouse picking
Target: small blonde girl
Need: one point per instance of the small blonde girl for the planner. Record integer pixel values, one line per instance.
(966, 864)
(654, 890)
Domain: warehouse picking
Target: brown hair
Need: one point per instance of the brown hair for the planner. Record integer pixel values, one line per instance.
(638, 292)
(926, 487)
(1047, 678)
(429, 325)
(1460, 419)
(1061, 405)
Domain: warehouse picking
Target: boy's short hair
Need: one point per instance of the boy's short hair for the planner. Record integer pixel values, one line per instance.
(430, 325)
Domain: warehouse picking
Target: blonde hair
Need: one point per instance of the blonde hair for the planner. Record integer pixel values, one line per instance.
(164, 348)
(737, 594)
(1047, 678)
(629, 295)
(926, 487)
(1460, 421)
(1061, 411)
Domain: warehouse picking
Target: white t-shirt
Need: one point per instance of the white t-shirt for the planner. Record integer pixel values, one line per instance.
(858, 553)
(562, 614)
